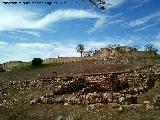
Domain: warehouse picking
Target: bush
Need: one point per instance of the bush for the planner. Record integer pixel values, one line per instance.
(37, 62)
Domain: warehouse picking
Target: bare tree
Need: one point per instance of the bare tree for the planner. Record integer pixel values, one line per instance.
(112, 46)
(80, 48)
(101, 4)
(151, 48)
(136, 47)
(89, 52)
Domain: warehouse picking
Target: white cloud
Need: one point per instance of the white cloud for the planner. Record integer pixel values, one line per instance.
(146, 27)
(99, 24)
(156, 42)
(3, 44)
(94, 44)
(126, 40)
(20, 18)
(106, 21)
(141, 21)
(24, 19)
(115, 3)
(139, 3)
(28, 51)
(35, 45)
(29, 32)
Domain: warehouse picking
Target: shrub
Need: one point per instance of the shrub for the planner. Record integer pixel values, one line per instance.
(37, 62)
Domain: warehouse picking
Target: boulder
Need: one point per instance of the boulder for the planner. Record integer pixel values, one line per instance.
(120, 108)
(146, 102)
(32, 101)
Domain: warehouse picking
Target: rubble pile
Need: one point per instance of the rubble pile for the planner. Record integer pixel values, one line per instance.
(101, 88)
(122, 88)
(71, 86)
(90, 98)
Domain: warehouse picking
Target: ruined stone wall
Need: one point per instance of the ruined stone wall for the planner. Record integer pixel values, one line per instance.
(121, 88)
(14, 64)
(103, 52)
(120, 53)
(115, 82)
(125, 49)
(66, 59)
(141, 79)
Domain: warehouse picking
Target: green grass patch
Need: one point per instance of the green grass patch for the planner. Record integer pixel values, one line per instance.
(30, 67)
(157, 57)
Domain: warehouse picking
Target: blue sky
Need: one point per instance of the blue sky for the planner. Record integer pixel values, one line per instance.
(28, 31)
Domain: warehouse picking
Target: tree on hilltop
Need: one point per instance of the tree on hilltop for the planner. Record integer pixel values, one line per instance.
(136, 47)
(151, 49)
(113, 46)
(89, 53)
(80, 49)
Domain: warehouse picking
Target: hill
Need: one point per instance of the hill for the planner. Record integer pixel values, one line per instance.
(124, 85)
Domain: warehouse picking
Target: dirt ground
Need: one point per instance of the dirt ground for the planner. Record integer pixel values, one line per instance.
(14, 102)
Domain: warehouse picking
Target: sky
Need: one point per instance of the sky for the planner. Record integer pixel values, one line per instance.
(46, 31)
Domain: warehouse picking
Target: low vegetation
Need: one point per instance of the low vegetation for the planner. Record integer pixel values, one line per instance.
(33, 67)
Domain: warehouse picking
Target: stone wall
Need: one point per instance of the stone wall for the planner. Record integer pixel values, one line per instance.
(66, 59)
(116, 82)
(115, 53)
(125, 49)
(14, 64)
(102, 53)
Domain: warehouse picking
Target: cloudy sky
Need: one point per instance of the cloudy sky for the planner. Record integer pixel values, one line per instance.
(42, 30)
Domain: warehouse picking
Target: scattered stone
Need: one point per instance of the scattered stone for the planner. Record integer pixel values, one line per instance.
(121, 99)
(146, 102)
(33, 101)
(157, 101)
(120, 88)
(60, 118)
(114, 105)
(120, 108)
(91, 106)
(66, 104)
(148, 106)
